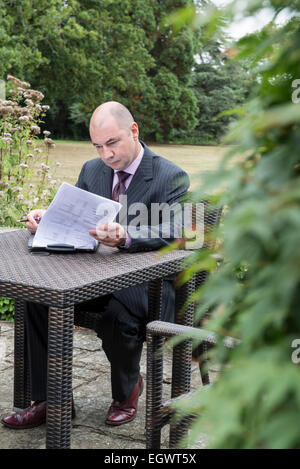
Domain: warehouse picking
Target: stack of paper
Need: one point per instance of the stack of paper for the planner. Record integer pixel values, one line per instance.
(70, 216)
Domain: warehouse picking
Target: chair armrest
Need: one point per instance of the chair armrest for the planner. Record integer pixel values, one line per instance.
(166, 329)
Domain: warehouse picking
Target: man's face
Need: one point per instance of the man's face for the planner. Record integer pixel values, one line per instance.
(117, 147)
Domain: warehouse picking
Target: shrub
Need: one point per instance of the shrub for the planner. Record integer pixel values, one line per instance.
(27, 177)
(255, 403)
(27, 180)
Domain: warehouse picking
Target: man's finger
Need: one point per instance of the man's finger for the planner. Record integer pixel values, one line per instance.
(111, 231)
(31, 225)
(102, 227)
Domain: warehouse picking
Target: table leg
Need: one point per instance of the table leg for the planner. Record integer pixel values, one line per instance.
(154, 368)
(154, 391)
(182, 357)
(155, 299)
(21, 371)
(59, 394)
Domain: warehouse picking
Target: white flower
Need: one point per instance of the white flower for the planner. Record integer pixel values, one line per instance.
(17, 189)
(23, 118)
(1, 194)
(49, 142)
(17, 81)
(45, 167)
(36, 129)
(29, 102)
(20, 196)
(7, 140)
(23, 165)
(58, 163)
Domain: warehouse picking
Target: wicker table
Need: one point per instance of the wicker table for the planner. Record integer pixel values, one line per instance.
(60, 281)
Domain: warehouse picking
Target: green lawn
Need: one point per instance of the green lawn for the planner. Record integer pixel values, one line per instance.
(195, 160)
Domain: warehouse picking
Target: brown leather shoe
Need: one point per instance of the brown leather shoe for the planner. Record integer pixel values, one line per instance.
(33, 416)
(123, 412)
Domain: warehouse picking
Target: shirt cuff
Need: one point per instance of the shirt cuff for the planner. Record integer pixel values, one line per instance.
(127, 242)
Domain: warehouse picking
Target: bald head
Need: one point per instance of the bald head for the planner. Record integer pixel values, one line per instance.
(112, 110)
(115, 135)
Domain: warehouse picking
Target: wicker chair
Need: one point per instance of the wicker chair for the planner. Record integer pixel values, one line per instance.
(183, 353)
(157, 413)
(90, 320)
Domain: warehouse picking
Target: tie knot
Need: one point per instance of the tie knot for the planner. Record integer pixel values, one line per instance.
(122, 175)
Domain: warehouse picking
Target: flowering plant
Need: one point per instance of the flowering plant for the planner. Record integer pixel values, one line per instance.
(27, 176)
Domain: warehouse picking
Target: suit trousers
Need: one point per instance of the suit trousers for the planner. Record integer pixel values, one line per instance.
(121, 331)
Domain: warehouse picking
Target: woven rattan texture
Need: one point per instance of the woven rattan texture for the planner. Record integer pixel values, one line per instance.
(158, 414)
(64, 279)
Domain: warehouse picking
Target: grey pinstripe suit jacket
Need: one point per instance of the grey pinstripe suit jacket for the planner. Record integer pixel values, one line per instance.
(156, 180)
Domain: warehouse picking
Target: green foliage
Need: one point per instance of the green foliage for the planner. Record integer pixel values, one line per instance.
(254, 294)
(219, 84)
(219, 87)
(141, 53)
(83, 53)
(25, 179)
(7, 309)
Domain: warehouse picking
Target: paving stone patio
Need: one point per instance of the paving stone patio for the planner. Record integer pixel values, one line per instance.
(92, 395)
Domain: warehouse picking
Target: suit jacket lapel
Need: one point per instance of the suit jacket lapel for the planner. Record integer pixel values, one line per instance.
(142, 178)
(105, 181)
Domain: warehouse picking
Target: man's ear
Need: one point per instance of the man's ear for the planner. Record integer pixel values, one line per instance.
(134, 130)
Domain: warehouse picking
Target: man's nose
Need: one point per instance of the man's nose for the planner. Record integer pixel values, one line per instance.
(107, 152)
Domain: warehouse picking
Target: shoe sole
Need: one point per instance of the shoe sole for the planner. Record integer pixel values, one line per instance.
(26, 427)
(116, 424)
(23, 427)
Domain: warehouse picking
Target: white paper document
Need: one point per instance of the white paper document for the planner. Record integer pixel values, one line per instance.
(70, 216)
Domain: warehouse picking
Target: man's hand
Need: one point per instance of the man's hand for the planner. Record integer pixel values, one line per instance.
(111, 234)
(32, 225)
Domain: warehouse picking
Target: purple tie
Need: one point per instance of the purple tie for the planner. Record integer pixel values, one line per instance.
(120, 187)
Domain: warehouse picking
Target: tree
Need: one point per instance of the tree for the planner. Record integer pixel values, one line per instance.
(17, 51)
(173, 52)
(219, 85)
(81, 53)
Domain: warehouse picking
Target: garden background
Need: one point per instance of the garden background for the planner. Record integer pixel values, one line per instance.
(187, 83)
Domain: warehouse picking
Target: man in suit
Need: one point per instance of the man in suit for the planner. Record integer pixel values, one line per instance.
(126, 167)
